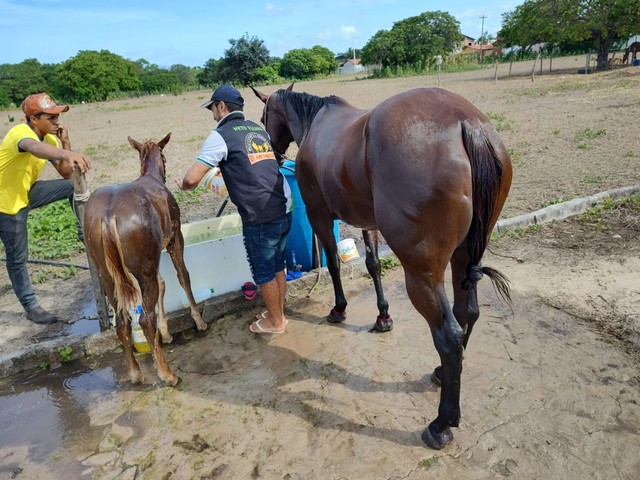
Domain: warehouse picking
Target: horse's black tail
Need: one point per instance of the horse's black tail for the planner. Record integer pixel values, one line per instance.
(488, 175)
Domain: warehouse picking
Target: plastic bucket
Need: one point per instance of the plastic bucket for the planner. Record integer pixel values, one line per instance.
(300, 239)
(347, 250)
(213, 181)
(636, 63)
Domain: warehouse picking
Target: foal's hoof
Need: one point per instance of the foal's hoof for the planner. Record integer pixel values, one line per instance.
(336, 317)
(173, 380)
(436, 376)
(436, 440)
(383, 324)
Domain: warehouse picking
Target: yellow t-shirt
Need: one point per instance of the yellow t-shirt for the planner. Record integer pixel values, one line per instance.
(19, 170)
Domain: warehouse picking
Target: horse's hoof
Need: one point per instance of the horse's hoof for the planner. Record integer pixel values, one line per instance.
(168, 338)
(436, 376)
(336, 317)
(383, 324)
(435, 440)
(173, 381)
(136, 377)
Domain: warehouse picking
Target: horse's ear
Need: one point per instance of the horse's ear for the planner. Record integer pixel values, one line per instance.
(164, 141)
(260, 95)
(135, 144)
(290, 87)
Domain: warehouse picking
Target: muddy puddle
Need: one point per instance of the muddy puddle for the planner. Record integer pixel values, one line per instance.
(45, 416)
(542, 397)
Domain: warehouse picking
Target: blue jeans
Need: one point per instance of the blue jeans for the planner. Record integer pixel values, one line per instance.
(13, 232)
(265, 244)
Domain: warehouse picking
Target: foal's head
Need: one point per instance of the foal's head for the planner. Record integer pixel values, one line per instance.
(152, 159)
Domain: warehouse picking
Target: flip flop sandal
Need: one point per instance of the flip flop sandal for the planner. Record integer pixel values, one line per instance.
(249, 290)
(263, 316)
(259, 329)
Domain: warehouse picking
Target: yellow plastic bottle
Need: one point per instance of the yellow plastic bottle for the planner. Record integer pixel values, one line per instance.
(137, 334)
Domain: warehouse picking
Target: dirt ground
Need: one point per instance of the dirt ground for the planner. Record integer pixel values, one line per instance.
(550, 390)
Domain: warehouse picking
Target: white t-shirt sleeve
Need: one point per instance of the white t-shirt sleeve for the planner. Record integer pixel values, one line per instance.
(214, 150)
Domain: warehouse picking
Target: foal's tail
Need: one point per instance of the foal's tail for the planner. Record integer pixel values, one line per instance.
(488, 177)
(125, 285)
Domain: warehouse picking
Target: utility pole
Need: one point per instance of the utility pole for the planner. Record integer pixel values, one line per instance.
(482, 38)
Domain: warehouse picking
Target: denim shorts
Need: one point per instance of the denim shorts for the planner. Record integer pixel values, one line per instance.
(265, 244)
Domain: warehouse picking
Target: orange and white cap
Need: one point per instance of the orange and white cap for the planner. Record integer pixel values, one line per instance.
(41, 103)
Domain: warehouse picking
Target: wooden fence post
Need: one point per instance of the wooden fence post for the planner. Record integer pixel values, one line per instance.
(80, 197)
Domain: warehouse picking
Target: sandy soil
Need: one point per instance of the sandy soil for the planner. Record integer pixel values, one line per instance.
(550, 390)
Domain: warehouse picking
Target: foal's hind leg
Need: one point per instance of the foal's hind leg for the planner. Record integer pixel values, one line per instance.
(163, 323)
(384, 323)
(176, 252)
(123, 330)
(149, 289)
(465, 300)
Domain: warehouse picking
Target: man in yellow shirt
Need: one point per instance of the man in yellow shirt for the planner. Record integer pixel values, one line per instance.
(24, 152)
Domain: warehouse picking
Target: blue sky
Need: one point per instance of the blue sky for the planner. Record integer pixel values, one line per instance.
(190, 32)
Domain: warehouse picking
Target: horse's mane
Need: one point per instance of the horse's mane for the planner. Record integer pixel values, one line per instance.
(144, 154)
(306, 105)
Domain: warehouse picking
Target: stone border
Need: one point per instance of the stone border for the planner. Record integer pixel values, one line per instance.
(85, 345)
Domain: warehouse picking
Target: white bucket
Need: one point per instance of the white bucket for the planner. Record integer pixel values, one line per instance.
(347, 250)
(213, 181)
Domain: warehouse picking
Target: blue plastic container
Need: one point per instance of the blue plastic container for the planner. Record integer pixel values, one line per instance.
(300, 240)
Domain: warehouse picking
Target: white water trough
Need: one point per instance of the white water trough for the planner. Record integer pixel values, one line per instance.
(215, 257)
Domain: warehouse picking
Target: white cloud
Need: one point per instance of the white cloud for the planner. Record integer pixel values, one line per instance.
(272, 8)
(349, 31)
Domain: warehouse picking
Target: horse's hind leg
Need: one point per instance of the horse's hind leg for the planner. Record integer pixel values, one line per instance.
(149, 289)
(465, 300)
(123, 330)
(163, 323)
(176, 252)
(426, 291)
(384, 322)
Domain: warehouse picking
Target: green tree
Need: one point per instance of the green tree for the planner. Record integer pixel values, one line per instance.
(297, 63)
(211, 73)
(96, 76)
(303, 63)
(18, 81)
(269, 74)
(185, 75)
(570, 21)
(325, 61)
(242, 59)
(414, 40)
(383, 48)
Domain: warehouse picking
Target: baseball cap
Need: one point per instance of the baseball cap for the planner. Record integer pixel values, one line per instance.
(41, 103)
(227, 94)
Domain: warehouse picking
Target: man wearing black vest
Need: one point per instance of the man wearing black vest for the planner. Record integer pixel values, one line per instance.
(242, 151)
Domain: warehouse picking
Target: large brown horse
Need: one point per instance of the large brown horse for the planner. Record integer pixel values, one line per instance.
(428, 170)
(126, 227)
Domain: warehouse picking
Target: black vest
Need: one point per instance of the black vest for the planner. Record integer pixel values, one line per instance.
(251, 171)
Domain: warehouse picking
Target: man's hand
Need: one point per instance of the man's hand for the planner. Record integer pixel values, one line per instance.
(63, 135)
(79, 159)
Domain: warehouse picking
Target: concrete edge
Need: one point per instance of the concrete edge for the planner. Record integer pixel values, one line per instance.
(563, 210)
(46, 354)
